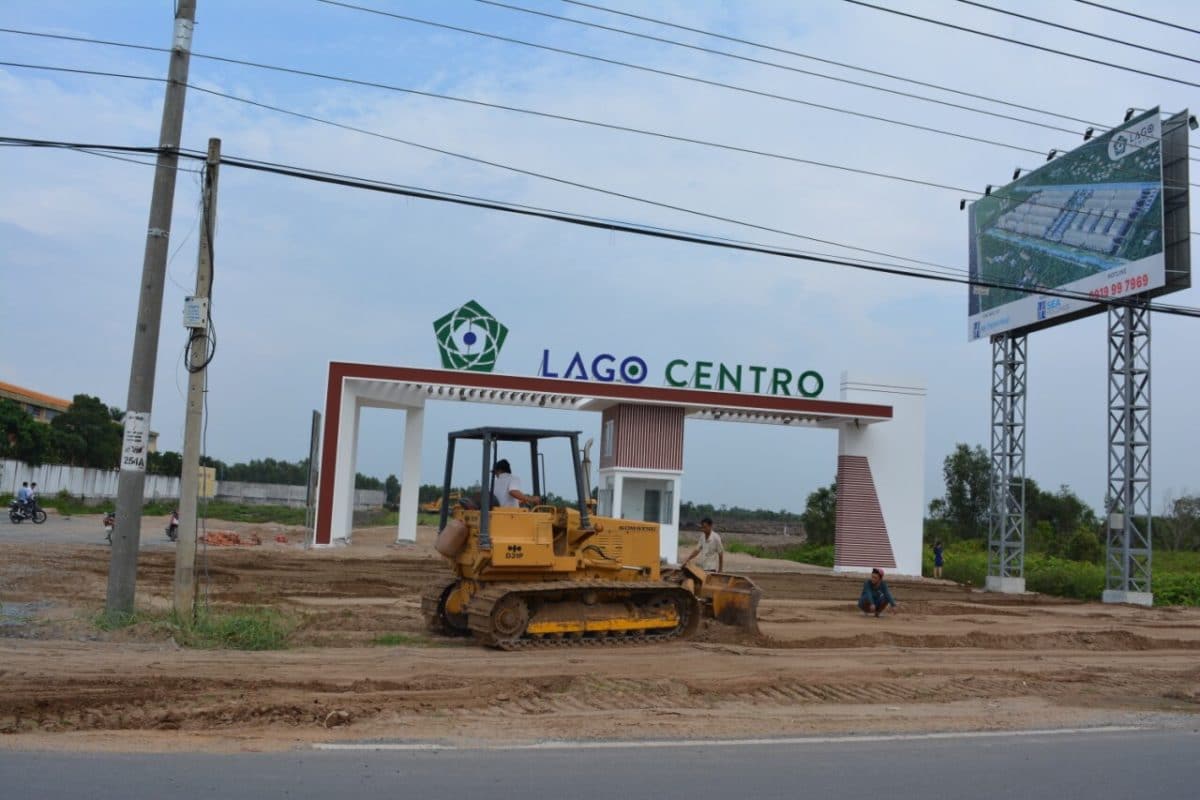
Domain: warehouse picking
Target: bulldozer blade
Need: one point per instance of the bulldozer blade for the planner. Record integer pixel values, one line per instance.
(733, 599)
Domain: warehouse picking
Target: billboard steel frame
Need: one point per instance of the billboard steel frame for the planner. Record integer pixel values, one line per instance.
(1006, 524)
(1128, 552)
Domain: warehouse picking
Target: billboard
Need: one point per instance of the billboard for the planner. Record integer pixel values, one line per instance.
(1095, 223)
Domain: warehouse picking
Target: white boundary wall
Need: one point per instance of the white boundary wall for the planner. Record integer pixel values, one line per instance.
(79, 481)
(281, 494)
(101, 484)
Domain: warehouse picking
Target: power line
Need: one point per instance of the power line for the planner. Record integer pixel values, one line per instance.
(566, 118)
(776, 65)
(588, 187)
(352, 182)
(1011, 40)
(1138, 16)
(565, 181)
(727, 54)
(679, 76)
(844, 65)
(1100, 36)
(101, 149)
(111, 157)
(580, 185)
(530, 112)
(341, 179)
(480, 103)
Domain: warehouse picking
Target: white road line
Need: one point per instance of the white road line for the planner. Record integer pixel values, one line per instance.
(665, 743)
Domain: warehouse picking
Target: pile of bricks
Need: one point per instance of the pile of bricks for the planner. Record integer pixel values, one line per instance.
(229, 538)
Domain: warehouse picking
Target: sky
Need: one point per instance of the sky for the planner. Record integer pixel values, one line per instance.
(308, 273)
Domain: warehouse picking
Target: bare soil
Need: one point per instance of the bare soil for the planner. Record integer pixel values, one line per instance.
(954, 659)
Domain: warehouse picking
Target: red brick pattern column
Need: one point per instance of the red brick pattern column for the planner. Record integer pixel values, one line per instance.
(862, 538)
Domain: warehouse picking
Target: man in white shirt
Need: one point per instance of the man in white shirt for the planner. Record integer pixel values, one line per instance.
(23, 494)
(506, 487)
(709, 552)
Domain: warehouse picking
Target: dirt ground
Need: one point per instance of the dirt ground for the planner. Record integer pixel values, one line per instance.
(954, 659)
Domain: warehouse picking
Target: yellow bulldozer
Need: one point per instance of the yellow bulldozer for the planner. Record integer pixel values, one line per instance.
(557, 575)
(434, 506)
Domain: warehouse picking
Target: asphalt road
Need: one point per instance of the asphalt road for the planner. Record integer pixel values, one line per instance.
(1074, 766)
(85, 529)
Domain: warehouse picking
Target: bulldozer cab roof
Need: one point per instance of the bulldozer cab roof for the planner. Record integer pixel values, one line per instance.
(511, 434)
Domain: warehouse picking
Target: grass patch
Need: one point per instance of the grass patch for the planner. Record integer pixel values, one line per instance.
(402, 640)
(247, 629)
(237, 512)
(1063, 577)
(1176, 579)
(68, 505)
(1175, 588)
(379, 519)
(1177, 560)
(820, 555)
(251, 629)
(124, 619)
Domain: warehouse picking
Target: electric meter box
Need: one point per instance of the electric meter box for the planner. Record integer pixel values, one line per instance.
(195, 312)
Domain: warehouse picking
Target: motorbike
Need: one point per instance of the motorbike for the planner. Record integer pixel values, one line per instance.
(172, 529)
(18, 513)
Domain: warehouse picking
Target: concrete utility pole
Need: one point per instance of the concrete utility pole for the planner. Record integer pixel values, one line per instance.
(189, 482)
(122, 569)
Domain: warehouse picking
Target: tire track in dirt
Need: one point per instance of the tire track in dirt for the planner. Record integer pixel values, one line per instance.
(1105, 640)
(816, 660)
(149, 703)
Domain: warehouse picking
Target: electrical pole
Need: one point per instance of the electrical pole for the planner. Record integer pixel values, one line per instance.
(199, 355)
(122, 569)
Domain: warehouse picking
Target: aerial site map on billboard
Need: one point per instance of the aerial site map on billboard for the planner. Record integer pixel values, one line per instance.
(1088, 224)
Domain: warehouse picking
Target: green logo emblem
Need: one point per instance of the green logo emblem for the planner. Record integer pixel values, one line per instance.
(469, 338)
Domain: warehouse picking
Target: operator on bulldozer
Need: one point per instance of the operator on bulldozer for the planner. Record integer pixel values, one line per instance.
(557, 575)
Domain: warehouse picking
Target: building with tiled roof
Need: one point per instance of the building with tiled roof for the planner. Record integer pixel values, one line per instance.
(42, 407)
(45, 407)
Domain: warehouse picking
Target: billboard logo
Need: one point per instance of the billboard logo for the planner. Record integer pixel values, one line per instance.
(469, 338)
(1142, 133)
(1047, 307)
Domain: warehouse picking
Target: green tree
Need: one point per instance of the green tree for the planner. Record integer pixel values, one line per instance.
(1084, 545)
(366, 482)
(391, 489)
(167, 462)
(22, 437)
(85, 435)
(1180, 528)
(967, 472)
(1063, 510)
(820, 515)
(267, 470)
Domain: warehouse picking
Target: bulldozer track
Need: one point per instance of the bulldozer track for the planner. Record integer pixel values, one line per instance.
(479, 615)
(431, 607)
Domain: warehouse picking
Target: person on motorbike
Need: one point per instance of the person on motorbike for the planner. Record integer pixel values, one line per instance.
(23, 495)
(173, 525)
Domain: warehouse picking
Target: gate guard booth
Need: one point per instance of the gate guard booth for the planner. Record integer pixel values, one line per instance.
(880, 466)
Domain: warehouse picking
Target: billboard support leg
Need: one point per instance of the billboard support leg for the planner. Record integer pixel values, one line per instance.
(1127, 558)
(1006, 524)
